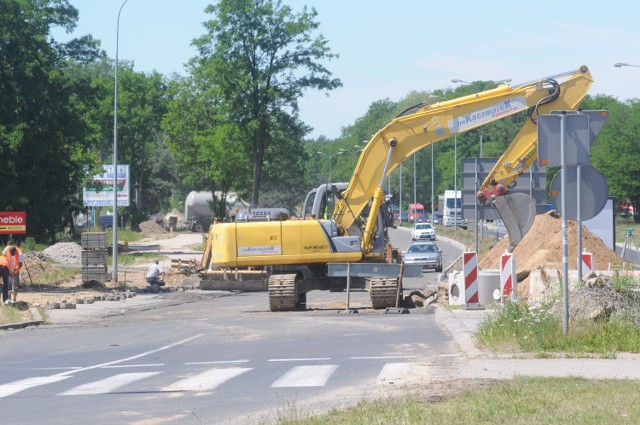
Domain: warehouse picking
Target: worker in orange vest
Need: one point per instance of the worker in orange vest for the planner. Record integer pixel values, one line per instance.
(14, 264)
(4, 273)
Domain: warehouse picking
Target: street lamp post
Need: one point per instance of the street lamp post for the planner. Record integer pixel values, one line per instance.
(340, 152)
(415, 219)
(621, 64)
(432, 199)
(114, 268)
(433, 97)
(319, 174)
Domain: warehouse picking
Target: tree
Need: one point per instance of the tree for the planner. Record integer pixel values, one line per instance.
(42, 134)
(614, 151)
(263, 57)
(206, 146)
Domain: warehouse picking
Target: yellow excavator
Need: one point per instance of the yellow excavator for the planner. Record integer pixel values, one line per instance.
(350, 246)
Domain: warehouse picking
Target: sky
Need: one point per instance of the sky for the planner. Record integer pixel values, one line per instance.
(389, 48)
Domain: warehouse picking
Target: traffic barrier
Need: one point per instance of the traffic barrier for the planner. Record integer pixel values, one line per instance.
(508, 276)
(588, 265)
(470, 267)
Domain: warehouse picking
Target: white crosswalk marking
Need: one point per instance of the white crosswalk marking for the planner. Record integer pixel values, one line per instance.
(24, 384)
(108, 385)
(207, 380)
(306, 376)
(402, 373)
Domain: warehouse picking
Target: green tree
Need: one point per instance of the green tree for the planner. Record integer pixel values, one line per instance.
(206, 146)
(44, 154)
(615, 150)
(263, 57)
(142, 103)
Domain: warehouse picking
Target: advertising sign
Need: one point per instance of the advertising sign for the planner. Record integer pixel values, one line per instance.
(100, 194)
(13, 223)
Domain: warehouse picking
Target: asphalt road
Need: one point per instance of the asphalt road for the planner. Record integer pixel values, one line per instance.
(213, 358)
(218, 357)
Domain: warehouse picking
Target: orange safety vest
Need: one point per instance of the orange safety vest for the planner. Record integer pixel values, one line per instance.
(16, 260)
(3, 261)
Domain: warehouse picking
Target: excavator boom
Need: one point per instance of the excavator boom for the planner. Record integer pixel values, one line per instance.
(433, 122)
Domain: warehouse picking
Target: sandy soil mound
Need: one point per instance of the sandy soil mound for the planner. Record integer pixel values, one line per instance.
(542, 246)
(152, 228)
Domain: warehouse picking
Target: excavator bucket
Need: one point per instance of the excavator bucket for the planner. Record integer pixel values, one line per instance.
(517, 211)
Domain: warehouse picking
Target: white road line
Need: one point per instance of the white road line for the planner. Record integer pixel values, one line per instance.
(24, 384)
(218, 362)
(310, 359)
(207, 380)
(383, 358)
(108, 385)
(126, 359)
(305, 376)
(133, 365)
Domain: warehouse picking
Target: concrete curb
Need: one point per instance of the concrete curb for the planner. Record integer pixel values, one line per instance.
(462, 335)
(10, 326)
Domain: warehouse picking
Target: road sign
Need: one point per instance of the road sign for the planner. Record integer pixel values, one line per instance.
(581, 129)
(593, 192)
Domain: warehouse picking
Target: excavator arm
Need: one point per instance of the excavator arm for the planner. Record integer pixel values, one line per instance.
(433, 122)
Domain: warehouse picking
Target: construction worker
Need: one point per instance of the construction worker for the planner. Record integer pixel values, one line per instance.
(14, 260)
(4, 273)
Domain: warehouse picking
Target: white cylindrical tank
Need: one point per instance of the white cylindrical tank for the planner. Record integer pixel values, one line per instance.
(197, 204)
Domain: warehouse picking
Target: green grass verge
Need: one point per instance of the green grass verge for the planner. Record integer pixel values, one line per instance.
(521, 401)
(518, 327)
(129, 258)
(9, 314)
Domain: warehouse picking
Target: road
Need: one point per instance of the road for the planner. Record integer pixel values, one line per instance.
(219, 357)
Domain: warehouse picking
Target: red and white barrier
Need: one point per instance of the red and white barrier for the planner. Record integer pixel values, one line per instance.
(470, 268)
(588, 265)
(508, 279)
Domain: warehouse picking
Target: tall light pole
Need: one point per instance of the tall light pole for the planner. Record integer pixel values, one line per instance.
(340, 152)
(621, 64)
(455, 180)
(415, 219)
(433, 98)
(114, 268)
(319, 173)
(492, 82)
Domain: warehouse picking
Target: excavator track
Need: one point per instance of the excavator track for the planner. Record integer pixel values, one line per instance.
(383, 292)
(282, 292)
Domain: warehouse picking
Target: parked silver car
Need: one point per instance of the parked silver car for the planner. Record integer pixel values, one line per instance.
(425, 254)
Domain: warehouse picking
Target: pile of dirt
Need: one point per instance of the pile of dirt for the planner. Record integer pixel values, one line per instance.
(63, 252)
(35, 269)
(541, 248)
(152, 228)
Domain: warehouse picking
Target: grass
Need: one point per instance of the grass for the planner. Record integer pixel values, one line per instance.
(53, 277)
(134, 257)
(518, 327)
(8, 314)
(624, 223)
(558, 401)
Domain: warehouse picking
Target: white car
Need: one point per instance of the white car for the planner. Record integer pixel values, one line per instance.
(423, 232)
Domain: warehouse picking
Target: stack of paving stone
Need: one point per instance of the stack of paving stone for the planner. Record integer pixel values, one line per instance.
(94, 257)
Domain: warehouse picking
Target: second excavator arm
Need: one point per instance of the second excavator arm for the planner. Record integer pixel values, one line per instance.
(430, 123)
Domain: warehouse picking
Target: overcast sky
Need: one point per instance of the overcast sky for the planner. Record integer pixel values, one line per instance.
(388, 48)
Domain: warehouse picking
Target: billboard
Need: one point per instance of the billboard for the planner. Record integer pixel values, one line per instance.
(13, 223)
(101, 192)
